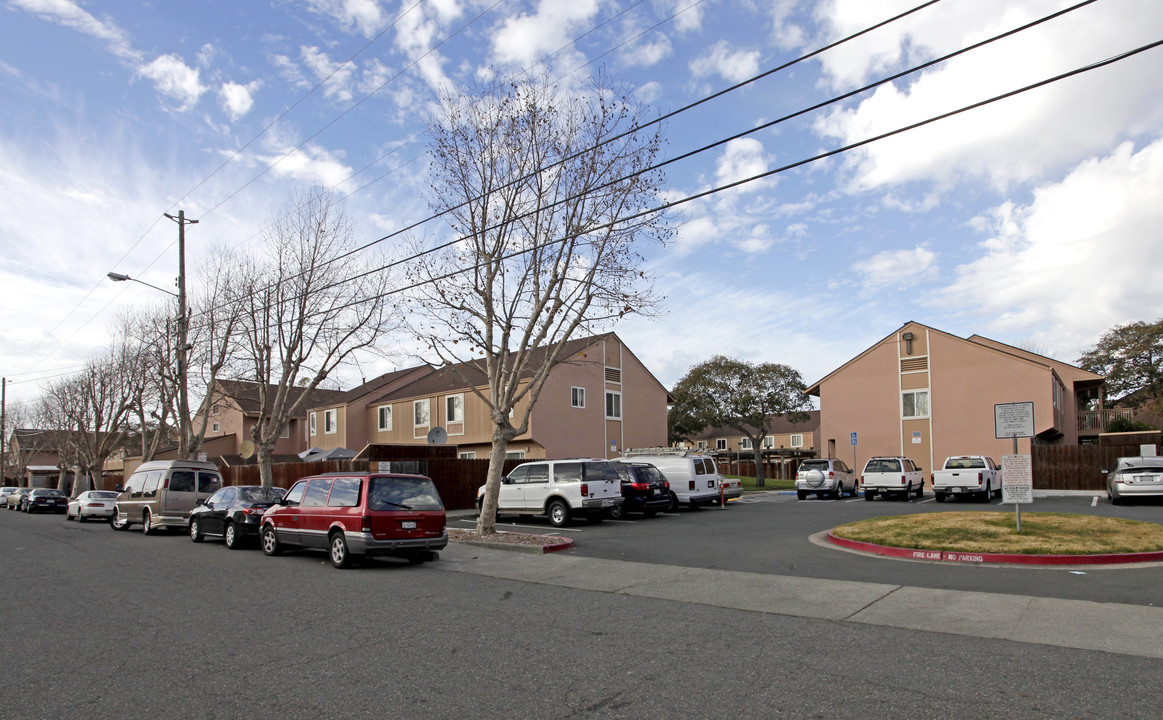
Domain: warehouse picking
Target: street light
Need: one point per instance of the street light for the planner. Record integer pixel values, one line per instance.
(183, 396)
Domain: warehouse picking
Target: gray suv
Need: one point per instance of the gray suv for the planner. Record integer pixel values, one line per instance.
(826, 477)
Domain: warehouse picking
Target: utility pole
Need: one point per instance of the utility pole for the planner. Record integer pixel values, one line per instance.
(4, 430)
(183, 347)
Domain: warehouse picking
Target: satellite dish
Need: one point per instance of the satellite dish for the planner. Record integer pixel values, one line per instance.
(437, 436)
(246, 449)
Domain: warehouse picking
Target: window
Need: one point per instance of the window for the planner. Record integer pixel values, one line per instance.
(384, 413)
(567, 472)
(216, 427)
(454, 409)
(797, 441)
(344, 493)
(286, 433)
(295, 494)
(316, 495)
(915, 404)
(208, 482)
(745, 444)
(701, 445)
(468, 455)
(577, 397)
(721, 444)
(312, 423)
(181, 481)
(331, 421)
(215, 409)
(150, 489)
(421, 410)
(515, 455)
(613, 405)
(769, 442)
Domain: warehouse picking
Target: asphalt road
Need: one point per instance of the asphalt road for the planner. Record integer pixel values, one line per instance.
(101, 625)
(770, 533)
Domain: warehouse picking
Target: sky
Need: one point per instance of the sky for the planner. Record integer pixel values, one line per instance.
(1034, 220)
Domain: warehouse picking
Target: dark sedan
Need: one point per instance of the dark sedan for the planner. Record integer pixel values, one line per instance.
(46, 500)
(644, 489)
(233, 513)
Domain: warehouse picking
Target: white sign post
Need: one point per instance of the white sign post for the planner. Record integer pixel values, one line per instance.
(1015, 420)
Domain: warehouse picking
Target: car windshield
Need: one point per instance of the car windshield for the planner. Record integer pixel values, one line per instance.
(260, 494)
(403, 493)
(882, 465)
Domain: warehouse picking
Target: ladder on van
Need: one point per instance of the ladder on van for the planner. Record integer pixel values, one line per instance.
(675, 452)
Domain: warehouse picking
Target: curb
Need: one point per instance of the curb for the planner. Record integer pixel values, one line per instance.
(1008, 558)
(562, 544)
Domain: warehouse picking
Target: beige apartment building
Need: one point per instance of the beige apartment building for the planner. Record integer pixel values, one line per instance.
(927, 394)
(598, 402)
(784, 437)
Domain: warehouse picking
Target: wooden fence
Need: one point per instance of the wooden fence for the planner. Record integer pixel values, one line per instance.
(1076, 467)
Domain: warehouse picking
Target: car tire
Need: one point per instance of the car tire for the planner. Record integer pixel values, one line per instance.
(1116, 500)
(195, 530)
(558, 513)
(939, 497)
(616, 513)
(988, 493)
(921, 490)
(673, 503)
(869, 494)
(230, 536)
(337, 550)
(839, 491)
(270, 542)
(146, 522)
(802, 494)
(115, 522)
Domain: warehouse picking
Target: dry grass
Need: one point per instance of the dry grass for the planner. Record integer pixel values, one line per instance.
(995, 532)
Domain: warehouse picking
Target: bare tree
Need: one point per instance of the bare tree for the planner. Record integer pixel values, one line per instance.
(147, 351)
(31, 436)
(549, 194)
(304, 312)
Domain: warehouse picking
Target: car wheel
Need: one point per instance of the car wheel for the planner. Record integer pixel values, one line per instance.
(839, 492)
(615, 513)
(146, 523)
(869, 494)
(988, 493)
(939, 497)
(195, 530)
(270, 541)
(230, 535)
(908, 492)
(921, 490)
(1116, 500)
(801, 494)
(340, 557)
(558, 514)
(673, 503)
(115, 521)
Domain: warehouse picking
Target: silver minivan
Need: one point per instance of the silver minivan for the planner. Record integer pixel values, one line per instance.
(162, 493)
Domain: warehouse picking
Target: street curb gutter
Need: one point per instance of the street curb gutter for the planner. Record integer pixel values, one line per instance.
(1009, 558)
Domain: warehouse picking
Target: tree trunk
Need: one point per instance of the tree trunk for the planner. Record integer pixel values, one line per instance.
(757, 451)
(487, 521)
(264, 465)
(61, 483)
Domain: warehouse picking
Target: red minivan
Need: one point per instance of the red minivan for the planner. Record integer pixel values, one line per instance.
(349, 514)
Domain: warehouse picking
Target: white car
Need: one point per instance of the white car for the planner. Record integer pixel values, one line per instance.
(693, 477)
(825, 477)
(5, 493)
(561, 489)
(91, 504)
(892, 476)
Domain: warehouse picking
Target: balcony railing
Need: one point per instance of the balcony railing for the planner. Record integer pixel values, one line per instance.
(1097, 420)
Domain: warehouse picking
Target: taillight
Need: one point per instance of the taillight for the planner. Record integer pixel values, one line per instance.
(831, 475)
(254, 511)
(692, 487)
(640, 486)
(903, 480)
(979, 478)
(932, 478)
(365, 523)
(666, 484)
(585, 489)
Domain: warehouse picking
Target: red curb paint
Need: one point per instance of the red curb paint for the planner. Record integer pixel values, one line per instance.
(565, 544)
(1010, 558)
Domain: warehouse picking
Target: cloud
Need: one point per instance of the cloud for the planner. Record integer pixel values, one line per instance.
(742, 158)
(732, 65)
(173, 78)
(236, 99)
(1083, 256)
(646, 54)
(894, 269)
(525, 39)
(364, 16)
(310, 164)
(71, 15)
(336, 77)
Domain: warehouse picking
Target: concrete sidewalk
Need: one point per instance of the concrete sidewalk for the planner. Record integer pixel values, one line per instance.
(1109, 627)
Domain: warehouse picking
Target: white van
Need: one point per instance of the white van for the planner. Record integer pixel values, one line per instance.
(693, 477)
(162, 493)
(562, 489)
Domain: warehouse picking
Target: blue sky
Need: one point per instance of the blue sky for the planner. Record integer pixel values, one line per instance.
(1035, 220)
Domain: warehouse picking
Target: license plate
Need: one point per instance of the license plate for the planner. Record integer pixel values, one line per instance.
(1146, 478)
(408, 525)
(657, 491)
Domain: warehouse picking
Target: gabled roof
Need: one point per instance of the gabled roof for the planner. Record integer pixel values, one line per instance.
(245, 394)
(977, 341)
(779, 425)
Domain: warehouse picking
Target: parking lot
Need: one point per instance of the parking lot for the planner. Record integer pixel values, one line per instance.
(772, 533)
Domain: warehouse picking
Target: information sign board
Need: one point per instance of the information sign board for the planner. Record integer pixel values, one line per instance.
(1017, 480)
(1013, 420)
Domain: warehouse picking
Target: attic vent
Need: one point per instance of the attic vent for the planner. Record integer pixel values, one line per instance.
(914, 364)
(614, 375)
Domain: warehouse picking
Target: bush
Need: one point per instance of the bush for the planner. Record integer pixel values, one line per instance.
(1125, 425)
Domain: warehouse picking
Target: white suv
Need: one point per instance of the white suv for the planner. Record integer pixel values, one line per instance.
(892, 476)
(561, 489)
(826, 477)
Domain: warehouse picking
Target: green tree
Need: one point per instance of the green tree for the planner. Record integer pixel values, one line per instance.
(744, 396)
(1130, 356)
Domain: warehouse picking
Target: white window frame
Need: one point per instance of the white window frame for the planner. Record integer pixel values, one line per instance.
(314, 425)
(416, 404)
(915, 416)
(721, 443)
(618, 402)
(701, 445)
(380, 418)
(286, 433)
(468, 455)
(331, 421)
(796, 440)
(216, 427)
(514, 454)
(448, 408)
(745, 443)
(769, 442)
(577, 397)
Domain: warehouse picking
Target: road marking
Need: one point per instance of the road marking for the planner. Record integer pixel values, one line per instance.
(1094, 501)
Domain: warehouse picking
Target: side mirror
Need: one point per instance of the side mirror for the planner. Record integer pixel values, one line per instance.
(118, 488)
(506, 481)
(200, 501)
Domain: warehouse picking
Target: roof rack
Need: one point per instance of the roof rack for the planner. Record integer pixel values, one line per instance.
(677, 452)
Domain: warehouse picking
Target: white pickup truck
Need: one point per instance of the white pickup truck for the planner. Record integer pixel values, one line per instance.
(975, 475)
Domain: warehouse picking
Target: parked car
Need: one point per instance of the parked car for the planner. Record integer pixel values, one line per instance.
(694, 478)
(561, 489)
(826, 477)
(977, 476)
(233, 513)
(5, 493)
(162, 493)
(91, 504)
(730, 488)
(350, 514)
(892, 476)
(644, 490)
(1135, 477)
(46, 500)
(16, 499)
